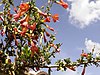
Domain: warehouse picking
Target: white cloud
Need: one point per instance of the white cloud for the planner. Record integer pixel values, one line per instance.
(90, 45)
(84, 12)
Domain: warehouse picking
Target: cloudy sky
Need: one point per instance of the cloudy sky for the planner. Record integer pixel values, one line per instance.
(78, 29)
(84, 12)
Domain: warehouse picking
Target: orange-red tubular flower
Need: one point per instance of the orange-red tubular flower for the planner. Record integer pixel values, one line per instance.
(24, 21)
(24, 30)
(53, 45)
(62, 3)
(84, 54)
(2, 32)
(42, 13)
(45, 40)
(32, 43)
(15, 29)
(35, 37)
(47, 34)
(24, 24)
(47, 19)
(33, 27)
(16, 16)
(22, 33)
(24, 7)
(15, 9)
(33, 48)
(55, 17)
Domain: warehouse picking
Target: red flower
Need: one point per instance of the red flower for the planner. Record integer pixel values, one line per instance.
(47, 34)
(53, 45)
(15, 9)
(35, 37)
(47, 19)
(45, 40)
(34, 47)
(17, 16)
(55, 17)
(37, 68)
(29, 43)
(15, 29)
(25, 24)
(32, 44)
(42, 13)
(24, 7)
(33, 27)
(24, 30)
(22, 33)
(62, 3)
(84, 54)
(2, 32)
(23, 20)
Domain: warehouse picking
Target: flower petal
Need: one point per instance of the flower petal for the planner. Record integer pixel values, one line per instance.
(55, 17)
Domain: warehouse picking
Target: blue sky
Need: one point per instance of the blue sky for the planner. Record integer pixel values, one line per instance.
(80, 21)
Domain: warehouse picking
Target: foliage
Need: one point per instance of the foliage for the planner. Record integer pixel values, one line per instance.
(86, 59)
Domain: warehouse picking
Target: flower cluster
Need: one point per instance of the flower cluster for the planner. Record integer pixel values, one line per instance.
(62, 3)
